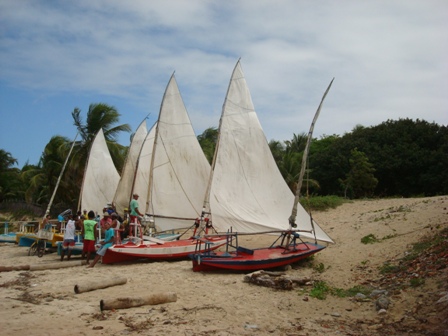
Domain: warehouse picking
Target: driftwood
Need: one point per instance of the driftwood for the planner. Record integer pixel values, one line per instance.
(41, 267)
(57, 265)
(277, 280)
(90, 286)
(128, 302)
(14, 268)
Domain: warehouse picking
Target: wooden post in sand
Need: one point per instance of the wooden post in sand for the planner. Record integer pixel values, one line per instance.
(154, 299)
(87, 287)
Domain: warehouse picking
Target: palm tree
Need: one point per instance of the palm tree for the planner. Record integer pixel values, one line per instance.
(9, 176)
(297, 144)
(41, 179)
(99, 116)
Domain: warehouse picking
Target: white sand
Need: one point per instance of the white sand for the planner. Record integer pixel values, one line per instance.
(222, 304)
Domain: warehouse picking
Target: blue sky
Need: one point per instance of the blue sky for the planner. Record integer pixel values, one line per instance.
(389, 60)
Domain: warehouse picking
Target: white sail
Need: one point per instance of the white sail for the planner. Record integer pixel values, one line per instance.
(247, 191)
(100, 178)
(143, 171)
(180, 169)
(126, 183)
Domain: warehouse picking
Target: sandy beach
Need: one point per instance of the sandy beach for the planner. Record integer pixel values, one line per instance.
(43, 302)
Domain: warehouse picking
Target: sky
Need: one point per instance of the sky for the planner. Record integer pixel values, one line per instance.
(388, 58)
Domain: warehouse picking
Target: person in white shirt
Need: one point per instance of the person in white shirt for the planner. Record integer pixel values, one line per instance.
(69, 237)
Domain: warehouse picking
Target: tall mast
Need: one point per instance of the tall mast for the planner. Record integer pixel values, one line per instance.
(292, 218)
(60, 176)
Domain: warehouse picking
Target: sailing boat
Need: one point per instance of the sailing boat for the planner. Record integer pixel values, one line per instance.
(135, 176)
(100, 177)
(99, 182)
(248, 195)
(176, 186)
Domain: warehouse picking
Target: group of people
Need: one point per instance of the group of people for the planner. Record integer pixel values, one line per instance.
(113, 227)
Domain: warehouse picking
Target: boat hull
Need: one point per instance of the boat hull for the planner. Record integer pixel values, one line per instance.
(246, 260)
(169, 250)
(29, 239)
(8, 238)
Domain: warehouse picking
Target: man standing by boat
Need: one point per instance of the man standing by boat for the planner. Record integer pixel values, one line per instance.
(135, 213)
(88, 234)
(69, 238)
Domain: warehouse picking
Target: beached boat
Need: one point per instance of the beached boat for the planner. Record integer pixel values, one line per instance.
(248, 195)
(29, 240)
(6, 236)
(177, 182)
(26, 229)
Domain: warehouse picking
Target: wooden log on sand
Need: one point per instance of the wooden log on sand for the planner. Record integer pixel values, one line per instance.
(41, 267)
(14, 268)
(90, 286)
(127, 302)
(57, 265)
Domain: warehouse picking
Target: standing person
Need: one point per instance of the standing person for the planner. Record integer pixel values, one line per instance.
(69, 238)
(46, 225)
(105, 244)
(88, 234)
(116, 225)
(106, 219)
(135, 213)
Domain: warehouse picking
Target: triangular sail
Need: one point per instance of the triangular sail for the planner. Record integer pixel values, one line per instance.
(143, 171)
(247, 191)
(179, 167)
(100, 178)
(126, 183)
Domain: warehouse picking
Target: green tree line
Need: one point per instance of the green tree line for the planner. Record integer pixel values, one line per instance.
(396, 158)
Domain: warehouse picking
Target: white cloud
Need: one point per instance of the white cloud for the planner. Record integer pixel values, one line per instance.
(389, 58)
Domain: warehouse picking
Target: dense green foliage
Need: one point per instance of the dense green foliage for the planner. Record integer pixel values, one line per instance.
(208, 140)
(321, 203)
(10, 184)
(396, 158)
(409, 158)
